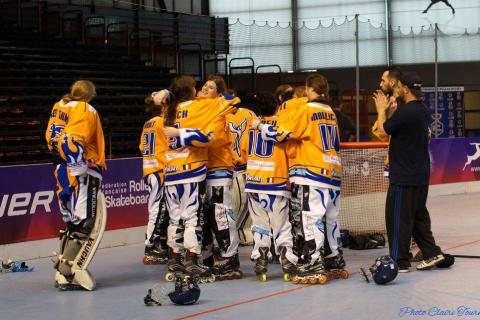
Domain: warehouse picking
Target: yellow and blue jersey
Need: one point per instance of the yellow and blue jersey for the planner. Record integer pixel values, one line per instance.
(82, 143)
(315, 145)
(57, 121)
(153, 145)
(290, 106)
(267, 165)
(187, 155)
(220, 162)
(238, 126)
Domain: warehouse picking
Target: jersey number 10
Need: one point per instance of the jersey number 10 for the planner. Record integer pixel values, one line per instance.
(258, 146)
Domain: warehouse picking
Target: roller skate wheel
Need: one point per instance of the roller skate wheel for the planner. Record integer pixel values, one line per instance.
(322, 279)
(170, 277)
(262, 277)
(312, 280)
(306, 281)
(287, 277)
(295, 280)
(345, 274)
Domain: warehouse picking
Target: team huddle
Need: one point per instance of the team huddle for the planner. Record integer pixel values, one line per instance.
(198, 150)
(285, 160)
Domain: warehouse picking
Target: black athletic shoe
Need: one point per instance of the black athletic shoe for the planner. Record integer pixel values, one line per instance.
(403, 269)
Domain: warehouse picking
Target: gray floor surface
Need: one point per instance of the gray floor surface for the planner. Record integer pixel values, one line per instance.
(123, 281)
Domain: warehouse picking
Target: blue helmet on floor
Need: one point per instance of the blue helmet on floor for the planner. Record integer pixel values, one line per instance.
(384, 270)
(186, 291)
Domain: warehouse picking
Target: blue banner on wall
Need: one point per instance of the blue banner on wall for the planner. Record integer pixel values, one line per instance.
(449, 121)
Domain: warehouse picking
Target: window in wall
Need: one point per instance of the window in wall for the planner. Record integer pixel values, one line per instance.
(249, 10)
(413, 41)
(327, 33)
(408, 13)
(310, 11)
(266, 43)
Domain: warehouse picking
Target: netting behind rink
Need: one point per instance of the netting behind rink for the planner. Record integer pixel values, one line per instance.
(364, 187)
(331, 43)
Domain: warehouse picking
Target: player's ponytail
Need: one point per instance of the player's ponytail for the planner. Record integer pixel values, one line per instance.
(67, 98)
(182, 89)
(81, 90)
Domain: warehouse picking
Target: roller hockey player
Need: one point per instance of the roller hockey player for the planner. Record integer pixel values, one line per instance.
(218, 212)
(312, 142)
(185, 171)
(153, 146)
(81, 146)
(238, 126)
(268, 199)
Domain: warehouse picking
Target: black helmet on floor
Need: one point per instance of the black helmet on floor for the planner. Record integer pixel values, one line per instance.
(186, 291)
(384, 270)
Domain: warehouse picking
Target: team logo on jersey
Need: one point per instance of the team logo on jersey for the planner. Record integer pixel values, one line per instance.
(73, 152)
(55, 130)
(473, 157)
(238, 131)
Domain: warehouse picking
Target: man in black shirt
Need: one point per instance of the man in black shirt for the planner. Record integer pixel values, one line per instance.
(406, 212)
(345, 124)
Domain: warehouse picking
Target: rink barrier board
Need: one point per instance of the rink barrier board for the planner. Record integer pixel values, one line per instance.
(29, 208)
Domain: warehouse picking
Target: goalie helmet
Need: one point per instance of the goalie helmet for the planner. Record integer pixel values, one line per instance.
(186, 291)
(384, 270)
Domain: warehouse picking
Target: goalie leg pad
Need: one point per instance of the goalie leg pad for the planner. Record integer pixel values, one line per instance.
(240, 208)
(90, 245)
(78, 246)
(73, 244)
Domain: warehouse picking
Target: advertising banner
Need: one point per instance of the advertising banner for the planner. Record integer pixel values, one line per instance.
(449, 121)
(29, 207)
(455, 160)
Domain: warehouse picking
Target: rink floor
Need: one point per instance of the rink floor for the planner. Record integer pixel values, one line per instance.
(123, 282)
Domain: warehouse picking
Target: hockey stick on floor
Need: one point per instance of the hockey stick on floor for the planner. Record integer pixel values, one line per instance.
(465, 256)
